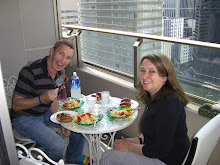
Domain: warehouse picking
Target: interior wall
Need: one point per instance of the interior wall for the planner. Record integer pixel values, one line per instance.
(12, 54)
(28, 31)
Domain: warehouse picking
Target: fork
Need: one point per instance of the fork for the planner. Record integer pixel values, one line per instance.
(138, 108)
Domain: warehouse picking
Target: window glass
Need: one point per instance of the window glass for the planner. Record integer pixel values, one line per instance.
(182, 19)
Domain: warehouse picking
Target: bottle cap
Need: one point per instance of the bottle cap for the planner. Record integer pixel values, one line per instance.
(74, 73)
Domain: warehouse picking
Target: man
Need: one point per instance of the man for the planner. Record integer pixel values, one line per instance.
(35, 99)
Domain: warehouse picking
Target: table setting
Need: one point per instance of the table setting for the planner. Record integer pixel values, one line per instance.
(96, 116)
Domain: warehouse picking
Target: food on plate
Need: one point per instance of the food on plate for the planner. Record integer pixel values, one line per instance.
(72, 103)
(98, 96)
(85, 118)
(64, 117)
(126, 99)
(125, 104)
(93, 95)
(119, 113)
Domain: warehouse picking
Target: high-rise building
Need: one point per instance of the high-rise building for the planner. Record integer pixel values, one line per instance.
(179, 8)
(207, 30)
(115, 51)
(178, 23)
(69, 13)
(207, 21)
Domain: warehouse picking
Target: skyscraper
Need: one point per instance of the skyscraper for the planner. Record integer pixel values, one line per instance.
(207, 29)
(131, 15)
(69, 13)
(207, 21)
(178, 22)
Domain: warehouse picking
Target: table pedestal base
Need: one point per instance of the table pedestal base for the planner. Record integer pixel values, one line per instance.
(94, 141)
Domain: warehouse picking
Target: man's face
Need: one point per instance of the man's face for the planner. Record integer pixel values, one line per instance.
(61, 57)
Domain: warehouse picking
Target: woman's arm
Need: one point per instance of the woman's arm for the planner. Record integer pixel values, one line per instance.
(130, 144)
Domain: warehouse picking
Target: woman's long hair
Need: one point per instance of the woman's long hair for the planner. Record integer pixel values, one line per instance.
(165, 68)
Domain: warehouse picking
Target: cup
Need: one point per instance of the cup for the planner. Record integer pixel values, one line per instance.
(90, 101)
(105, 98)
(96, 109)
(62, 93)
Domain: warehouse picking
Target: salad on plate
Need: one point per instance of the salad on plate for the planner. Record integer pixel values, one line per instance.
(119, 112)
(87, 118)
(71, 103)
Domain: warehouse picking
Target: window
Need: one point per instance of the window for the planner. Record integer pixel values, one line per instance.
(197, 67)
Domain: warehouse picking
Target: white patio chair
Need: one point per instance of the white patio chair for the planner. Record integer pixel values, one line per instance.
(34, 156)
(204, 143)
(9, 89)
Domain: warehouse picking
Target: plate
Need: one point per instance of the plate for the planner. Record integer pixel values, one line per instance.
(69, 108)
(98, 118)
(53, 117)
(119, 110)
(116, 102)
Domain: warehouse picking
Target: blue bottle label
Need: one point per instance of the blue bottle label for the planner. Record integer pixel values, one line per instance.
(74, 83)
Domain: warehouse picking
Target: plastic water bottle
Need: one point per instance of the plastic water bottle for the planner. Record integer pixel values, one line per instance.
(75, 86)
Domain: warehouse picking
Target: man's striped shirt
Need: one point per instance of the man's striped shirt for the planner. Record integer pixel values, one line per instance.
(34, 80)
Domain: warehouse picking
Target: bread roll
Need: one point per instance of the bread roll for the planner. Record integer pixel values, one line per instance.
(126, 99)
(125, 104)
(64, 117)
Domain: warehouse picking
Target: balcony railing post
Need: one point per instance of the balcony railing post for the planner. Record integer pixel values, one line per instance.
(137, 55)
(78, 47)
(75, 38)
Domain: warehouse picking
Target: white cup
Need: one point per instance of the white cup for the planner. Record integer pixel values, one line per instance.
(105, 98)
(96, 109)
(90, 101)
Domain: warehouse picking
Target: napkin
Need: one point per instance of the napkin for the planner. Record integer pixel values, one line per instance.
(216, 107)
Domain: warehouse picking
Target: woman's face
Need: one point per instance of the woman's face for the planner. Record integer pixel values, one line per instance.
(150, 78)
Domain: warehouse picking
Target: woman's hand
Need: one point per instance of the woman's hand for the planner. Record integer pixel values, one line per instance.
(65, 132)
(122, 144)
(130, 144)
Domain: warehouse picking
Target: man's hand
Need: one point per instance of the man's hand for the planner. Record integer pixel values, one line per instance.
(49, 96)
(65, 132)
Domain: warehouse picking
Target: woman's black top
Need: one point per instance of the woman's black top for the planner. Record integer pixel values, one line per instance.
(163, 125)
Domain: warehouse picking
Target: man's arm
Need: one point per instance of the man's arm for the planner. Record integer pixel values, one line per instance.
(54, 106)
(21, 103)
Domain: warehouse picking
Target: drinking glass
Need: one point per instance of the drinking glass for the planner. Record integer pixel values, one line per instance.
(62, 93)
(90, 101)
(96, 109)
(105, 98)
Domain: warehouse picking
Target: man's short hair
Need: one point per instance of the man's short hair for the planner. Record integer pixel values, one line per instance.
(65, 42)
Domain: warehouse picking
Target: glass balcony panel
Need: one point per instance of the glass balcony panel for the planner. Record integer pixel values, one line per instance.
(196, 67)
(112, 51)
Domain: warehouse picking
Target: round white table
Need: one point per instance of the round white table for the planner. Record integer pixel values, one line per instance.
(105, 128)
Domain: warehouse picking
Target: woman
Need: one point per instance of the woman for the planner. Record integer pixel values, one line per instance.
(164, 137)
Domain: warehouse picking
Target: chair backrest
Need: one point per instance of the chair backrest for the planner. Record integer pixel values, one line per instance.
(204, 143)
(9, 89)
(34, 156)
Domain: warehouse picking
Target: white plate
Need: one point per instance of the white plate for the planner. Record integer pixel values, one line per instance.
(53, 117)
(114, 101)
